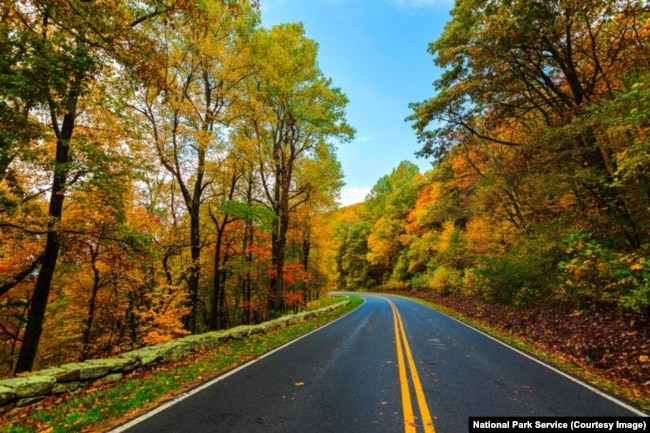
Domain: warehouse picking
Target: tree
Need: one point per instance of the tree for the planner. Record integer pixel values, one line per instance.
(188, 104)
(58, 48)
(387, 205)
(295, 111)
(522, 74)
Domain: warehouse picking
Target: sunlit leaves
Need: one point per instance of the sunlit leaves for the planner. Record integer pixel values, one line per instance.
(145, 126)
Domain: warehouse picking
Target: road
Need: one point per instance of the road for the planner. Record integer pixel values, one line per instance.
(392, 365)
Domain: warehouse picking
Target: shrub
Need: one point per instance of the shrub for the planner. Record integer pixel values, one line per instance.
(635, 284)
(592, 274)
(522, 275)
(445, 280)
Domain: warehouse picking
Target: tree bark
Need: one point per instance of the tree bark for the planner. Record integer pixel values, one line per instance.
(41, 293)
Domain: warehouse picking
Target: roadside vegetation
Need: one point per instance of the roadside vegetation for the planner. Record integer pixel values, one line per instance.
(99, 408)
(169, 168)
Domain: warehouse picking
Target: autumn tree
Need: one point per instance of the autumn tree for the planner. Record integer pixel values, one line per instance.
(523, 74)
(387, 205)
(60, 50)
(187, 103)
(295, 111)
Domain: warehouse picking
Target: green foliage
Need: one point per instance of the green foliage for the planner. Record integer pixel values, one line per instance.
(355, 272)
(635, 284)
(524, 273)
(594, 274)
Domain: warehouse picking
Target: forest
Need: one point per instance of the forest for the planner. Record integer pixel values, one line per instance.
(163, 165)
(169, 167)
(539, 195)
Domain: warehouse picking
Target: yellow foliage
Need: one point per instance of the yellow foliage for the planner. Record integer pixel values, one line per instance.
(445, 280)
(429, 195)
(444, 240)
(485, 235)
(162, 316)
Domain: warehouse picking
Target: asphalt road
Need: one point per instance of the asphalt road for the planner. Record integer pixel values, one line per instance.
(392, 365)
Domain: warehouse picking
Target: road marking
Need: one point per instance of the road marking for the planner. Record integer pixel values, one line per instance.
(407, 405)
(404, 350)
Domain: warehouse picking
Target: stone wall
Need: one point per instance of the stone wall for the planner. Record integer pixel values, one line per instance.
(28, 388)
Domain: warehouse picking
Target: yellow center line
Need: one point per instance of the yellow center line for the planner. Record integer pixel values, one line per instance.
(403, 347)
(407, 406)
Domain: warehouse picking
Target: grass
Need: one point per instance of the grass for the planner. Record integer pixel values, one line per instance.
(557, 360)
(99, 409)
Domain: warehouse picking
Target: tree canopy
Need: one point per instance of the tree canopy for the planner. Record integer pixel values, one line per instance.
(162, 168)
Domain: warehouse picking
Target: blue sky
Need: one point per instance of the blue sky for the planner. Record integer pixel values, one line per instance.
(376, 51)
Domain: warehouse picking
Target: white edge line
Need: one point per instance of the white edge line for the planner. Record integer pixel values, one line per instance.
(135, 421)
(550, 367)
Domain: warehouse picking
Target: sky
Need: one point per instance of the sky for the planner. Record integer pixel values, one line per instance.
(376, 52)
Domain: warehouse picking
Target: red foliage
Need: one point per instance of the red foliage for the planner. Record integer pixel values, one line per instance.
(294, 299)
(294, 273)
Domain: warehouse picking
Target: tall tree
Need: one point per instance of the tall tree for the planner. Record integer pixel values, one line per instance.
(61, 48)
(387, 205)
(188, 100)
(296, 111)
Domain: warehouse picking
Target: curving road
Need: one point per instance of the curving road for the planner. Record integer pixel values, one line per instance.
(392, 365)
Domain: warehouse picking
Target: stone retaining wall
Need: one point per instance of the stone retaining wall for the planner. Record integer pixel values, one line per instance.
(28, 388)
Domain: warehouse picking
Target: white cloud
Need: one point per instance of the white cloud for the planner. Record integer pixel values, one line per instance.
(352, 195)
(364, 139)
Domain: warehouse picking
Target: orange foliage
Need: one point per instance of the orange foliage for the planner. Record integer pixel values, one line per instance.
(161, 318)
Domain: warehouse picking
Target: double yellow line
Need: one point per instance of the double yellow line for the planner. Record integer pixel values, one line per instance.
(404, 351)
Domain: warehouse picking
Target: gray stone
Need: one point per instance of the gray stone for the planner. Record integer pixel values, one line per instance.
(218, 336)
(65, 387)
(116, 365)
(173, 350)
(60, 374)
(239, 332)
(200, 342)
(29, 386)
(73, 371)
(113, 377)
(89, 369)
(257, 329)
(145, 355)
(280, 322)
(6, 394)
(29, 400)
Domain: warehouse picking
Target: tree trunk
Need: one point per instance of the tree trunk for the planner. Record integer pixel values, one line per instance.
(195, 269)
(41, 293)
(215, 306)
(615, 204)
(92, 306)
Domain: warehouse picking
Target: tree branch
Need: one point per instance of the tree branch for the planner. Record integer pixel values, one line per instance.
(18, 278)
